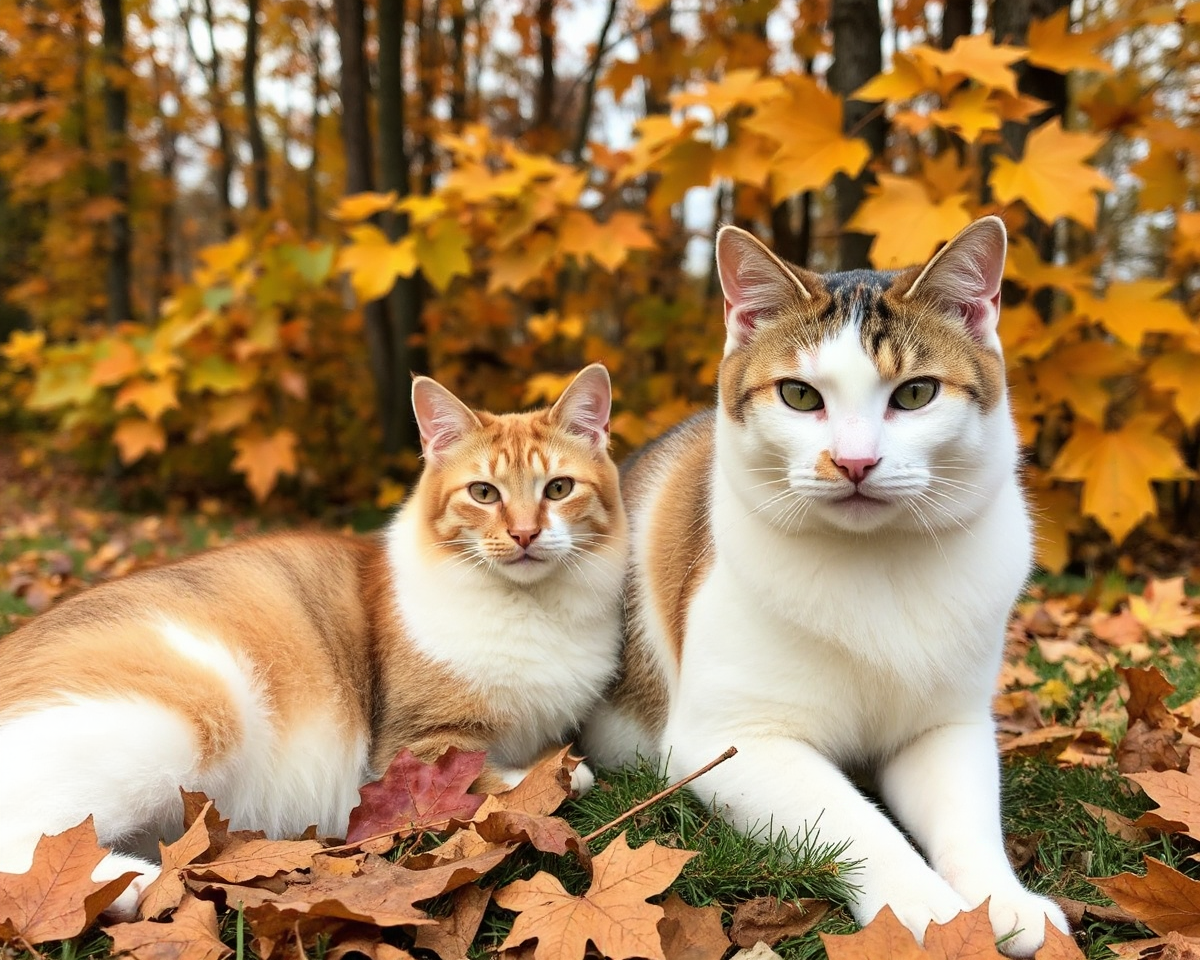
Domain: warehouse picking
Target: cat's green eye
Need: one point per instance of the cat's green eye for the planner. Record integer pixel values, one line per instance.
(559, 487)
(483, 493)
(800, 395)
(914, 394)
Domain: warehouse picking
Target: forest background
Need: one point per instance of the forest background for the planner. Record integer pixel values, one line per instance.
(230, 230)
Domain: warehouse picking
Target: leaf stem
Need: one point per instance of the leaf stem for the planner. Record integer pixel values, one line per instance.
(678, 784)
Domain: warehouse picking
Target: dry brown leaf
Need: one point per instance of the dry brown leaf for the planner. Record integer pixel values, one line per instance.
(373, 948)
(691, 933)
(191, 934)
(57, 898)
(1173, 946)
(250, 859)
(969, 936)
(544, 788)
(548, 834)
(450, 937)
(1058, 946)
(613, 913)
(1164, 899)
(166, 891)
(1077, 911)
(1178, 797)
(884, 938)
(1152, 736)
(1117, 825)
(231, 895)
(771, 920)
(461, 846)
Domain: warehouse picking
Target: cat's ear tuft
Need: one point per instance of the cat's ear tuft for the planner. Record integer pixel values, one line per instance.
(586, 405)
(756, 283)
(442, 418)
(965, 276)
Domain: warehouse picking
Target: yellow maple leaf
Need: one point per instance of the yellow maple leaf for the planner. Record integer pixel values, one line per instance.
(737, 88)
(513, 268)
(1052, 178)
(807, 123)
(746, 158)
(442, 252)
(362, 206)
(264, 459)
(1163, 609)
(908, 78)
(1135, 308)
(1178, 373)
(23, 349)
(622, 232)
(118, 362)
(908, 227)
(546, 387)
(1024, 265)
(136, 437)
(1078, 374)
(1117, 467)
(1052, 44)
(978, 58)
(970, 112)
(152, 397)
(373, 261)
(226, 258)
(1164, 176)
(422, 209)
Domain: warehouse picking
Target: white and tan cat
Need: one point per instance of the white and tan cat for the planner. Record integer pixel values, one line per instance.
(822, 569)
(279, 674)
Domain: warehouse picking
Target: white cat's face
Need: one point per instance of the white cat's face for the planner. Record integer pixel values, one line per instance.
(866, 401)
(836, 442)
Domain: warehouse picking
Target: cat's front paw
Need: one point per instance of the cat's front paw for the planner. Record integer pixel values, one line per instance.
(125, 908)
(1019, 920)
(924, 900)
(582, 779)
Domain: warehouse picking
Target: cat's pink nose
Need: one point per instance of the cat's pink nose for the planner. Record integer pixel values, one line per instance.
(855, 468)
(525, 537)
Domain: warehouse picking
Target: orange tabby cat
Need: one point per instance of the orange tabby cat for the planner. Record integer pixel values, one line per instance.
(279, 674)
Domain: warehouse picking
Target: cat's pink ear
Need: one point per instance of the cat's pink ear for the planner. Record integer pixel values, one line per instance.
(586, 405)
(756, 284)
(442, 418)
(965, 276)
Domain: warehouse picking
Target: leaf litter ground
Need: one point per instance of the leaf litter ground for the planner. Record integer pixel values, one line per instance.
(1099, 729)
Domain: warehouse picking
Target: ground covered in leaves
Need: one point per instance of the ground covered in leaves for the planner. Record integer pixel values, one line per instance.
(1099, 727)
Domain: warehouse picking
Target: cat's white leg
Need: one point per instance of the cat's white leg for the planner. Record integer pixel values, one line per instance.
(613, 738)
(582, 778)
(120, 761)
(793, 787)
(945, 788)
(125, 907)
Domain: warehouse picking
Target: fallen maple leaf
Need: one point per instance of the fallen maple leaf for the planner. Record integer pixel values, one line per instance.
(544, 788)
(613, 913)
(884, 938)
(770, 920)
(57, 898)
(249, 859)
(1173, 946)
(548, 834)
(691, 933)
(413, 795)
(1164, 610)
(167, 890)
(1152, 737)
(450, 937)
(1164, 899)
(191, 934)
(1178, 797)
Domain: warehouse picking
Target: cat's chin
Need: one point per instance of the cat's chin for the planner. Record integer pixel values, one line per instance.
(859, 513)
(526, 569)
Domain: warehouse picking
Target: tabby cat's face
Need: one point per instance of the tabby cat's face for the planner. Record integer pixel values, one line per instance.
(867, 400)
(524, 495)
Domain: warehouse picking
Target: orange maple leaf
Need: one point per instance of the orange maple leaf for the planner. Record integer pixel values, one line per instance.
(191, 935)
(1178, 373)
(613, 913)
(1116, 468)
(1052, 178)
(263, 459)
(136, 438)
(971, 112)
(1052, 44)
(373, 261)
(152, 397)
(1164, 610)
(57, 898)
(1164, 899)
(908, 226)
(1134, 308)
(978, 58)
(909, 77)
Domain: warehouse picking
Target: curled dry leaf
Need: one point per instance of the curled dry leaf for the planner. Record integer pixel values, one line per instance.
(1173, 946)
(1116, 824)
(450, 937)
(613, 913)
(1164, 899)
(167, 890)
(413, 795)
(249, 859)
(548, 834)
(191, 934)
(544, 788)
(691, 933)
(771, 920)
(57, 898)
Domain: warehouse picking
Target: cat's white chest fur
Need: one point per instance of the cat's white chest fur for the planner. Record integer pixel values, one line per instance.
(540, 654)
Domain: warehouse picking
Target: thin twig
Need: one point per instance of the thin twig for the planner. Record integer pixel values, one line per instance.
(662, 793)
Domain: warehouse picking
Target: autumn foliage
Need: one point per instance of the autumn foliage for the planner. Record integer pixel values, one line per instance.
(534, 239)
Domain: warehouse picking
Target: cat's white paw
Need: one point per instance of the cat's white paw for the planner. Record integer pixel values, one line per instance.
(582, 779)
(1025, 913)
(125, 907)
(925, 899)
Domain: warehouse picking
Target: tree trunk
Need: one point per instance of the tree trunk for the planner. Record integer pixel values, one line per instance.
(224, 142)
(458, 69)
(116, 109)
(258, 148)
(589, 86)
(957, 17)
(312, 197)
(167, 154)
(857, 57)
(405, 299)
(545, 136)
(356, 144)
